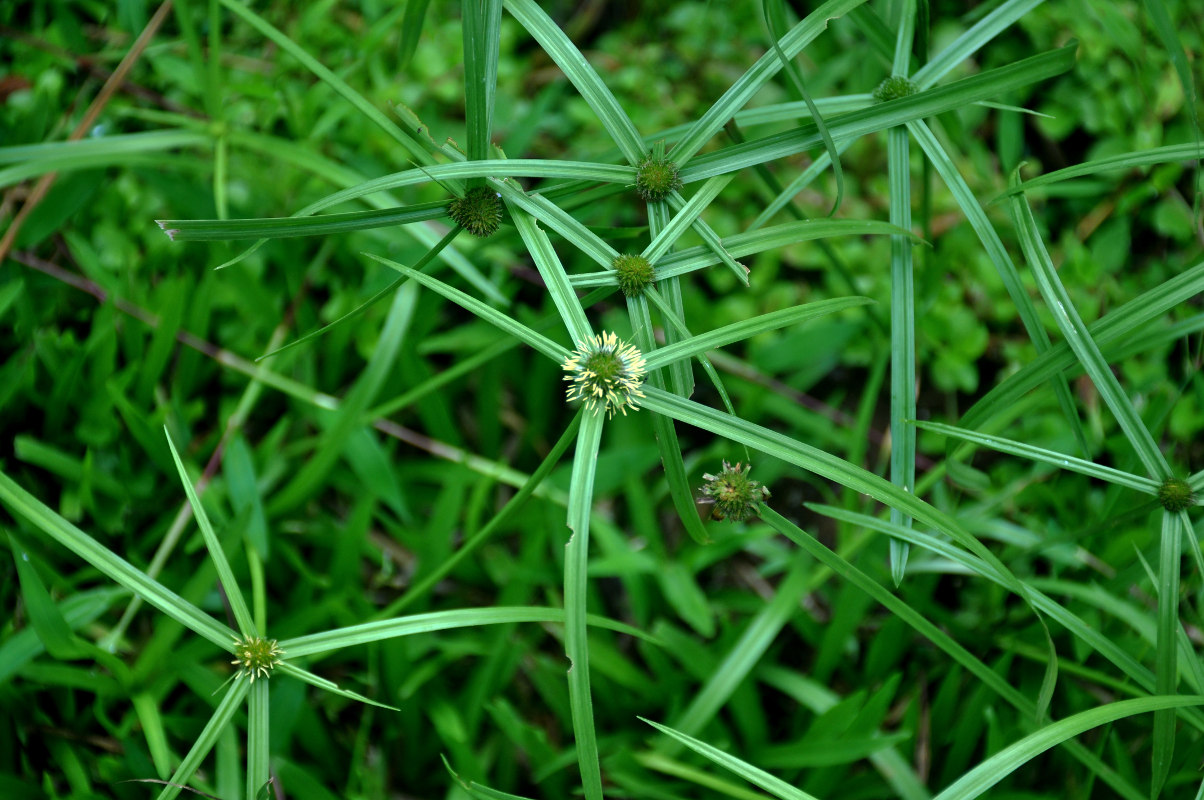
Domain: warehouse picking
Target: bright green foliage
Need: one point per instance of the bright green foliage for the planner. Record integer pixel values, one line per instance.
(656, 178)
(479, 211)
(634, 274)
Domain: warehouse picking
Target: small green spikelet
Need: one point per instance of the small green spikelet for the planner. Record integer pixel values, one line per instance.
(606, 374)
(894, 87)
(479, 211)
(1175, 495)
(634, 274)
(733, 494)
(256, 657)
(656, 178)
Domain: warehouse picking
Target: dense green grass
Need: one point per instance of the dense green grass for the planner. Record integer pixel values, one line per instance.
(955, 328)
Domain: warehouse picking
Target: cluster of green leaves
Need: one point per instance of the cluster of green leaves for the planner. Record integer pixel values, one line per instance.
(390, 467)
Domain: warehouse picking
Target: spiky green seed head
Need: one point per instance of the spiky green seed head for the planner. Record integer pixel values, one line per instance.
(656, 178)
(605, 373)
(256, 657)
(479, 211)
(894, 87)
(634, 274)
(733, 494)
(1175, 495)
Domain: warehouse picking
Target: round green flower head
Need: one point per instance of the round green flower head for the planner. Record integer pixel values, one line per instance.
(606, 374)
(256, 656)
(734, 495)
(655, 178)
(894, 87)
(634, 274)
(1175, 495)
(479, 211)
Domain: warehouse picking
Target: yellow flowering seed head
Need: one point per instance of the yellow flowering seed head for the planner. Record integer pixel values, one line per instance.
(605, 373)
(256, 656)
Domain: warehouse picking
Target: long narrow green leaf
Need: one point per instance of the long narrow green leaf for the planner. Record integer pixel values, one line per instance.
(292, 670)
(204, 742)
(773, 14)
(491, 315)
(990, 772)
(349, 416)
(432, 577)
(1023, 450)
(736, 97)
(218, 230)
(258, 719)
(560, 221)
(1167, 154)
(987, 235)
(973, 40)
(482, 24)
(576, 565)
(745, 653)
(927, 103)
(1166, 663)
(329, 641)
(1078, 337)
(744, 329)
(24, 505)
(685, 218)
(416, 151)
(580, 74)
(554, 276)
(902, 334)
(758, 777)
(1117, 325)
(225, 575)
(934, 634)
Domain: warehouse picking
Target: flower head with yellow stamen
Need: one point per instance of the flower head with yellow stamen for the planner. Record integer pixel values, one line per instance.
(256, 656)
(606, 374)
